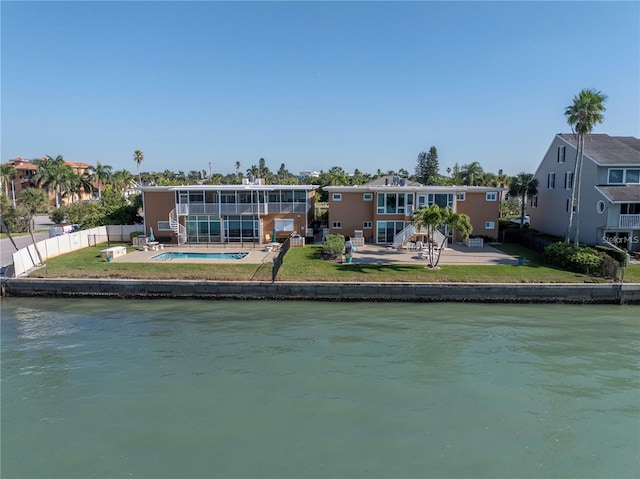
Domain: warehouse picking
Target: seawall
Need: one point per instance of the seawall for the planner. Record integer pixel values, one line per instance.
(413, 292)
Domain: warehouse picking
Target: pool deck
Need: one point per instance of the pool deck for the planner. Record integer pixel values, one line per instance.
(368, 254)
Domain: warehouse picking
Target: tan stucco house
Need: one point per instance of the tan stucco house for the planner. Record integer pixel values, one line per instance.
(383, 208)
(250, 212)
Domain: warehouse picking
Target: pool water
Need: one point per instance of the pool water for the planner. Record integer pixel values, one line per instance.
(193, 255)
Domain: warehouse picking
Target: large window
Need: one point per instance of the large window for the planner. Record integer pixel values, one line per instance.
(630, 209)
(203, 229)
(441, 199)
(392, 203)
(387, 230)
(619, 176)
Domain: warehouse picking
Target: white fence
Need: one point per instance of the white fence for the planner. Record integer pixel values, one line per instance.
(27, 258)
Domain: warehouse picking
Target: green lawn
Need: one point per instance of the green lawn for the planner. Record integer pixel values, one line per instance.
(304, 264)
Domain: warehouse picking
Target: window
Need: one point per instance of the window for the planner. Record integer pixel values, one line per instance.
(441, 199)
(164, 226)
(390, 203)
(534, 201)
(367, 225)
(569, 205)
(491, 196)
(336, 197)
(616, 176)
(367, 197)
(561, 153)
(630, 209)
(489, 225)
(632, 176)
(336, 225)
(284, 225)
(568, 180)
(551, 181)
(461, 196)
(600, 207)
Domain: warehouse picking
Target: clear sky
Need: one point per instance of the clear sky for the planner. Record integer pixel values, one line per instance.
(366, 85)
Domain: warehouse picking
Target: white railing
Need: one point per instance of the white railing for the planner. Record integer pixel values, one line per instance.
(182, 209)
(629, 221)
(177, 228)
(410, 230)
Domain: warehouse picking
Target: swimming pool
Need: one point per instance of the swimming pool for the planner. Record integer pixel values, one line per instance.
(194, 255)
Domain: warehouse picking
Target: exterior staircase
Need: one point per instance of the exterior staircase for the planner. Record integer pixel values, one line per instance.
(410, 231)
(177, 228)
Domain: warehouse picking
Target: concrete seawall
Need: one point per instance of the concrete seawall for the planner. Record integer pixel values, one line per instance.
(413, 292)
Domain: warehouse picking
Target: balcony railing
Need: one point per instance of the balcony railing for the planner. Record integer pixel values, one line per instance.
(629, 221)
(183, 209)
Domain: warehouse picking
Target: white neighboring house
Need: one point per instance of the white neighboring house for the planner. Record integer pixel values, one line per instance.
(609, 193)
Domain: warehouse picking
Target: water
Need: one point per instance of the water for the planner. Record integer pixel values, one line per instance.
(192, 255)
(180, 389)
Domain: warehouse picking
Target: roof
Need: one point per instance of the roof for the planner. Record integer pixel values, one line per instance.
(621, 193)
(608, 150)
(249, 187)
(390, 180)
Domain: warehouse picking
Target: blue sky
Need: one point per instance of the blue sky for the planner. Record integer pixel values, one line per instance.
(366, 85)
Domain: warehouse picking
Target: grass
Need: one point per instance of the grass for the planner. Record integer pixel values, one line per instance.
(304, 265)
(632, 274)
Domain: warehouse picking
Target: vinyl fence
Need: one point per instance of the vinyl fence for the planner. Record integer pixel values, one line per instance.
(27, 258)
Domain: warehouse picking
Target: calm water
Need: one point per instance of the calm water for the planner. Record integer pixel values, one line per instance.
(181, 389)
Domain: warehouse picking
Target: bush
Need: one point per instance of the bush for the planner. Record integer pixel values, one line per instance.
(620, 256)
(58, 215)
(333, 247)
(580, 260)
(135, 234)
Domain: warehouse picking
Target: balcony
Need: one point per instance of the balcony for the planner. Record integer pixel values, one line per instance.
(631, 222)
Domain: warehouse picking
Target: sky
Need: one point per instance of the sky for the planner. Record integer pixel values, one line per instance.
(311, 85)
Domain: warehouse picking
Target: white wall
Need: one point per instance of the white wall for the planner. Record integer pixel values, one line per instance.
(27, 258)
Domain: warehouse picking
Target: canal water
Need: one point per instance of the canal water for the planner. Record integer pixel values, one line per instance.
(257, 389)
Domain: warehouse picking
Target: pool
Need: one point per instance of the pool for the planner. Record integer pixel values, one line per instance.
(194, 255)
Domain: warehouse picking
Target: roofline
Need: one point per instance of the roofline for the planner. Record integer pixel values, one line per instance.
(422, 188)
(228, 187)
(614, 202)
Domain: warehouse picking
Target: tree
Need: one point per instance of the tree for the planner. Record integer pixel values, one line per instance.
(524, 186)
(54, 174)
(7, 173)
(138, 157)
(433, 218)
(427, 167)
(472, 174)
(34, 199)
(585, 113)
(6, 209)
(102, 176)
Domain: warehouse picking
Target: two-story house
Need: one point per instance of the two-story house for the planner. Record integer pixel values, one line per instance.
(383, 208)
(609, 207)
(251, 212)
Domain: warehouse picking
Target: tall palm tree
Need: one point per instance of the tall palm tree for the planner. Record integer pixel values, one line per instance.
(524, 186)
(53, 174)
(138, 156)
(34, 199)
(80, 183)
(585, 113)
(433, 218)
(102, 176)
(472, 173)
(121, 180)
(7, 173)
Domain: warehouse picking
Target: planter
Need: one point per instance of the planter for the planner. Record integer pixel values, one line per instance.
(521, 261)
(348, 260)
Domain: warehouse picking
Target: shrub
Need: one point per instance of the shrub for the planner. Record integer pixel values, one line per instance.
(620, 256)
(58, 215)
(135, 234)
(333, 247)
(580, 260)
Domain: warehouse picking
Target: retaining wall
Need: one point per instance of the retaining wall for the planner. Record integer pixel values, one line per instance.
(414, 292)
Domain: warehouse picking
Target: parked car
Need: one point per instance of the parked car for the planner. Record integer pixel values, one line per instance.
(527, 220)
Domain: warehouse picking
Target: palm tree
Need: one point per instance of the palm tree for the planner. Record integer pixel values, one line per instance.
(138, 156)
(102, 176)
(53, 174)
(433, 218)
(585, 113)
(524, 186)
(472, 173)
(80, 183)
(121, 180)
(7, 173)
(34, 199)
